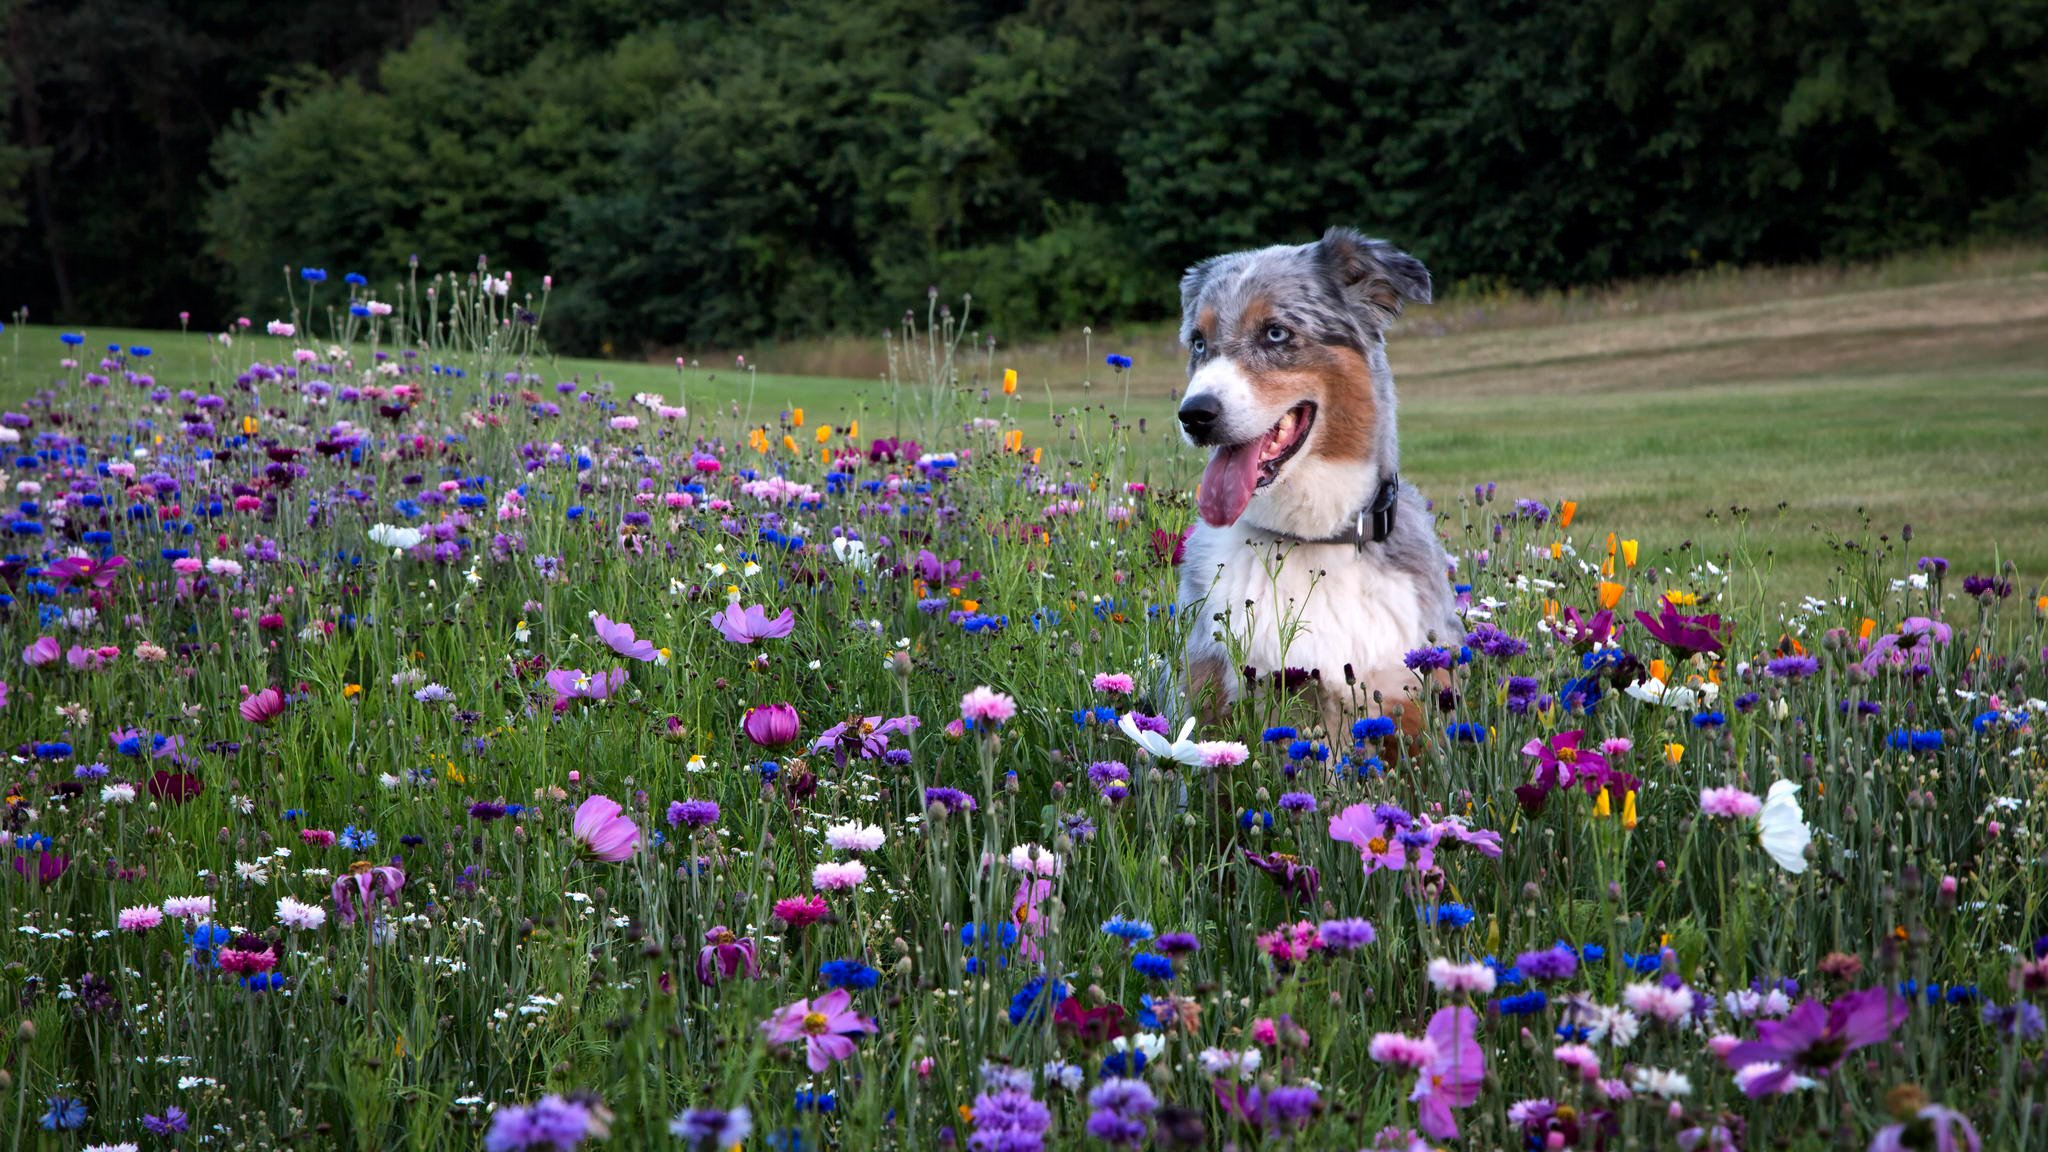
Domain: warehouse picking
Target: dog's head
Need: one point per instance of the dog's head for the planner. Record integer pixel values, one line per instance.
(1288, 384)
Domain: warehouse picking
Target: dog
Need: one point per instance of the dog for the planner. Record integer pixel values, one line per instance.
(1312, 561)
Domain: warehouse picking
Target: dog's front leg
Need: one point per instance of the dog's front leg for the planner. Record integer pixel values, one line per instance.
(1208, 689)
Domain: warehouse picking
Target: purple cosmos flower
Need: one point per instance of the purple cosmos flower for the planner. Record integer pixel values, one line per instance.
(1813, 1040)
(746, 625)
(1684, 635)
(619, 638)
(725, 954)
(1303, 881)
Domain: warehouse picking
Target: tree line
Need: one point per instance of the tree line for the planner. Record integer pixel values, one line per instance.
(696, 174)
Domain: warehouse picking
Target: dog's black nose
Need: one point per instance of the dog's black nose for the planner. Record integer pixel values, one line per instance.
(1198, 414)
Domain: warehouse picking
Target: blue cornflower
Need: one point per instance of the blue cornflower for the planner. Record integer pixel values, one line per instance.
(1372, 728)
(356, 278)
(849, 974)
(72, 338)
(1926, 740)
(1713, 719)
(1128, 931)
(1153, 965)
(1278, 733)
(66, 1114)
(357, 839)
(808, 1101)
(263, 981)
(1118, 362)
(1467, 733)
(313, 275)
(1527, 1004)
(1449, 915)
(1035, 999)
(1250, 819)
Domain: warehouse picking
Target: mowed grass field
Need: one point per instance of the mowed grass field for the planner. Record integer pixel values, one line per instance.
(1771, 415)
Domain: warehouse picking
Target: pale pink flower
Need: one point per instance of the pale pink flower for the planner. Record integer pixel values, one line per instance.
(188, 907)
(1221, 753)
(1667, 1004)
(1729, 803)
(1578, 1058)
(1033, 859)
(837, 876)
(1115, 682)
(1402, 1051)
(986, 707)
(140, 918)
(603, 831)
(853, 837)
(1450, 977)
(822, 1026)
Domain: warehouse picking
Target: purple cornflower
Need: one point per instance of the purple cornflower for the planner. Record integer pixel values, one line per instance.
(1422, 660)
(487, 811)
(692, 814)
(172, 1123)
(550, 1122)
(1491, 641)
(1009, 1120)
(1556, 962)
(1176, 944)
(1122, 1111)
(1792, 667)
(1297, 803)
(1347, 935)
(953, 800)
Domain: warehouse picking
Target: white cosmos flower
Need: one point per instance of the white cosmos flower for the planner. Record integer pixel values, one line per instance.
(852, 553)
(1159, 746)
(1655, 691)
(395, 536)
(1781, 827)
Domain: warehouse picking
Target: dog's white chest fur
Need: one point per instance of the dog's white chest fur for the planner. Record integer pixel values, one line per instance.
(1316, 607)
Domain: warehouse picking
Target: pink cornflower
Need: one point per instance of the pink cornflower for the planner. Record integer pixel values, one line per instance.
(1729, 803)
(1115, 683)
(985, 707)
(1221, 753)
(1669, 1005)
(1291, 943)
(316, 837)
(1035, 860)
(246, 962)
(800, 912)
(1615, 747)
(838, 876)
(603, 832)
(1402, 1051)
(1578, 1058)
(140, 918)
(822, 1025)
(1451, 978)
(188, 907)
(855, 837)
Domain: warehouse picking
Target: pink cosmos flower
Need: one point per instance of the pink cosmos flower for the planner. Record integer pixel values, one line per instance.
(358, 890)
(838, 876)
(1115, 683)
(603, 832)
(262, 707)
(771, 725)
(724, 955)
(1729, 804)
(619, 638)
(1815, 1039)
(1027, 912)
(43, 650)
(1578, 1058)
(576, 684)
(1452, 1077)
(746, 625)
(82, 570)
(985, 707)
(822, 1026)
(1378, 840)
(140, 918)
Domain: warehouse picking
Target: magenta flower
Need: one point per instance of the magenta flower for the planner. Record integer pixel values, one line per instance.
(984, 707)
(744, 626)
(1597, 629)
(620, 638)
(81, 570)
(1451, 1078)
(576, 684)
(724, 956)
(771, 725)
(864, 736)
(602, 830)
(262, 707)
(822, 1025)
(1813, 1040)
(43, 650)
(1379, 839)
(1559, 761)
(358, 890)
(45, 869)
(1684, 635)
(1933, 1129)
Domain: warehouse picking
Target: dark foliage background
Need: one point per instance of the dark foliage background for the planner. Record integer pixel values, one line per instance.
(710, 173)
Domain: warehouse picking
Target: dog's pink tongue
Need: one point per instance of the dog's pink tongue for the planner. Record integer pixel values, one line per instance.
(1228, 483)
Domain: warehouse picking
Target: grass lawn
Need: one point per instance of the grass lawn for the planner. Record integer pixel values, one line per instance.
(1923, 403)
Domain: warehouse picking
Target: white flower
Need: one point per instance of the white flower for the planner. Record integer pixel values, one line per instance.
(1654, 691)
(852, 553)
(1160, 747)
(853, 837)
(1661, 1082)
(253, 872)
(117, 794)
(1067, 1076)
(1220, 1062)
(1781, 827)
(395, 537)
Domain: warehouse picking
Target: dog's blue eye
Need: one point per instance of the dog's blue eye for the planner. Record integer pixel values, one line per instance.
(1276, 334)
(1198, 346)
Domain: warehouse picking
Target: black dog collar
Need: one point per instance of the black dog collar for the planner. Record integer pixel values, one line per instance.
(1372, 524)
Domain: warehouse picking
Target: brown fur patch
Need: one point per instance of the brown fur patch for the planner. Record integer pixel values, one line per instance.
(1207, 693)
(1205, 321)
(1346, 410)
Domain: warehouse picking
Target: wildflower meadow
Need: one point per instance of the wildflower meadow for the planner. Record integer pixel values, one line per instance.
(413, 746)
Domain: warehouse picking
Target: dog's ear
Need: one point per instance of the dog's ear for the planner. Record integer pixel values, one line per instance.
(1375, 275)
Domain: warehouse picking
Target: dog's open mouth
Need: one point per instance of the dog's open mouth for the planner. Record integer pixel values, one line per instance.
(1237, 471)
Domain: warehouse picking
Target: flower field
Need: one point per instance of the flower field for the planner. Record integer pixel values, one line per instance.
(410, 748)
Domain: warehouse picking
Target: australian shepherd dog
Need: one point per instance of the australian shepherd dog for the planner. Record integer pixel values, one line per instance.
(1314, 566)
